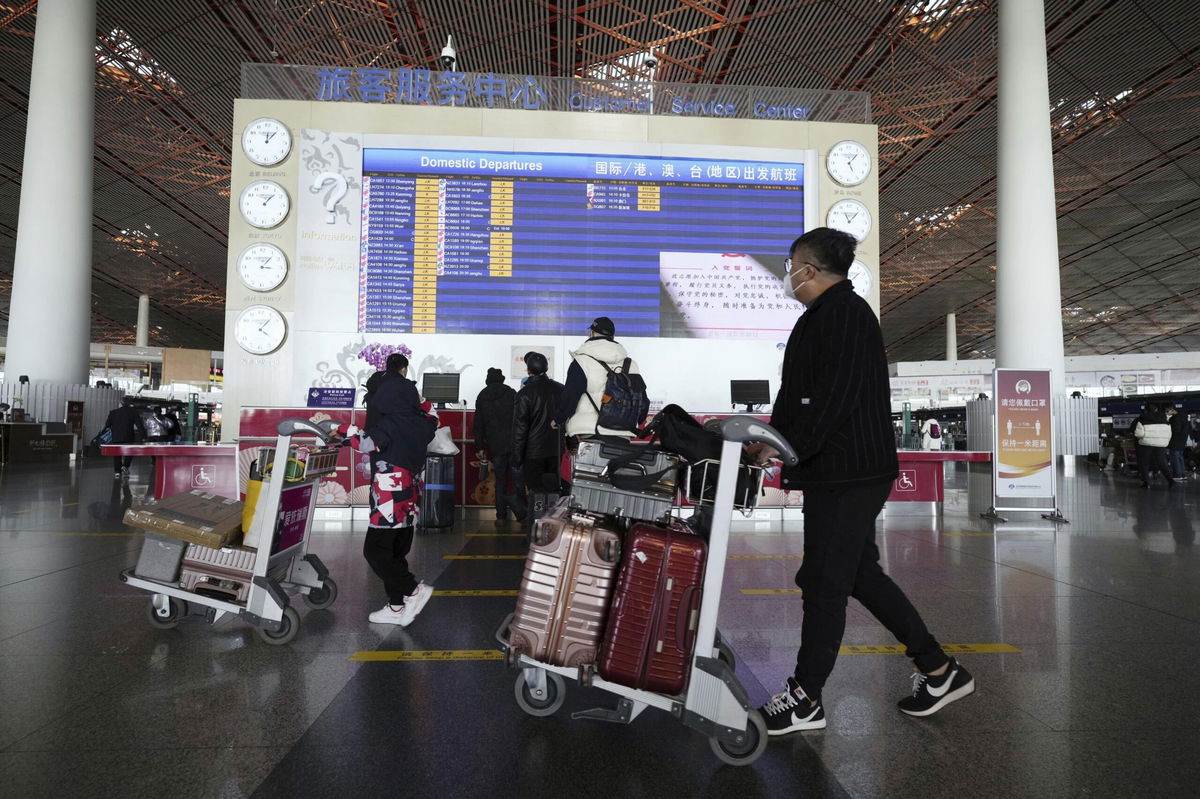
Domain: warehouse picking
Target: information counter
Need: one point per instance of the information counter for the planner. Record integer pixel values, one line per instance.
(185, 467)
(919, 489)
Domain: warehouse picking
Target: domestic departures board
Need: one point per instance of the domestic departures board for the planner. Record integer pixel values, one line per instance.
(542, 243)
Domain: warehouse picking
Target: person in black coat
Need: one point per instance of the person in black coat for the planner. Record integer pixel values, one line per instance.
(536, 441)
(834, 408)
(493, 440)
(1179, 436)
(399, 429)
(125, 423)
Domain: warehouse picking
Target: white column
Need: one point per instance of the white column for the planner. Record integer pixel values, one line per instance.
(1029, 330)
(50, 313)
(951, 337)
(143, 321)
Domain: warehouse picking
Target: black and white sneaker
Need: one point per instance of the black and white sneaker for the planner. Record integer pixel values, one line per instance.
(791, 710)
(931, 694)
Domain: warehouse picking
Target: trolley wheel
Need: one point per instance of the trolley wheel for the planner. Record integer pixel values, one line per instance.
(725, 655)
(291, 626)
(752, 746)
(176, 610)
(323, 597)
(545, 705)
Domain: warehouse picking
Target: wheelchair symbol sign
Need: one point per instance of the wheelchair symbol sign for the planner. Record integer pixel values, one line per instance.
(202, 477)
(907, 481)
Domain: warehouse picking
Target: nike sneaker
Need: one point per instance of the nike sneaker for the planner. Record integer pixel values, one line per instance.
(931, 694)
(791, 710)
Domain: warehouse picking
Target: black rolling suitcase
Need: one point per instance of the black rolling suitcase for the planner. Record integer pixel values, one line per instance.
(437, 494)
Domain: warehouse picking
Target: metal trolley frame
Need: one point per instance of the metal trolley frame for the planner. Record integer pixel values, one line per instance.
(716, 703)
(283, 565)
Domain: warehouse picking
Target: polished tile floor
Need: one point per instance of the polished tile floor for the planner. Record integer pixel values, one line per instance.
(1096, 695)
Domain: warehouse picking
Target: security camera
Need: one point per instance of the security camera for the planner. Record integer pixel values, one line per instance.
(449, 57)
(651, 60)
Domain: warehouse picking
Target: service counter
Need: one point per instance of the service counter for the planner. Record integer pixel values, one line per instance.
(25, 442)
(919, 489)
(185, 467)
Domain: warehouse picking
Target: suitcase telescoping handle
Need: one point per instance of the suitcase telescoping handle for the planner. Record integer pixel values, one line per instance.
(688, 618)
(748, 430)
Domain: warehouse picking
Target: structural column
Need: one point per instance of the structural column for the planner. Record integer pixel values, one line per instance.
(1029, 330)
(951, 337)
(50, 313)
(143, 321)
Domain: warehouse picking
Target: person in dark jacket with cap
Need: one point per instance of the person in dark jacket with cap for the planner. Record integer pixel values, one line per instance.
(400, 425)
(834, 407)
(493, 440)
(125, 423)
(536, 443)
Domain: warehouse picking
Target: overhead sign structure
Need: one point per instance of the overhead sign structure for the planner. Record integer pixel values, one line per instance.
(1023, 445)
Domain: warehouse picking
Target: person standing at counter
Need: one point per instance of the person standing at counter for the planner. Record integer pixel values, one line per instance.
(493, 440)
(834, 407)
(400, 425)
(536, 443)
(126, 426)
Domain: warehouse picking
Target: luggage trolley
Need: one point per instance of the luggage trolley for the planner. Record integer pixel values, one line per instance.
(715, 703)
(282, 563)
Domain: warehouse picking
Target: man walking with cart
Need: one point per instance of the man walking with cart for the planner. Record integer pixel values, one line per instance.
(399, 428)
(834, 407)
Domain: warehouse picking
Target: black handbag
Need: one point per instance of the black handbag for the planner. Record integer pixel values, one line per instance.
(676, 431)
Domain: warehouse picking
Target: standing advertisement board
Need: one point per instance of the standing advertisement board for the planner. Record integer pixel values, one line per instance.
(1024, 440)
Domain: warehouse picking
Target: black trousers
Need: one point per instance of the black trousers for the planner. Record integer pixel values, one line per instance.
(386, 550)
(121, 462)
(508, 493)
(841, 561)
(1154, 459)
(542, 474)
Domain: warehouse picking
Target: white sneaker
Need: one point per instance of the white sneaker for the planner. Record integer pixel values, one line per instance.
(388, 614)
(414, 603)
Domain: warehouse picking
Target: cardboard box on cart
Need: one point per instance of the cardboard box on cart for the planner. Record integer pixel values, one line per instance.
(196, 517)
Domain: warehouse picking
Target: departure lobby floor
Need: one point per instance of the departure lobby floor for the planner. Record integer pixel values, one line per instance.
(1084, 642)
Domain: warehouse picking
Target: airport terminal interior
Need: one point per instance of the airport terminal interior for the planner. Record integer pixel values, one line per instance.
(219, 220)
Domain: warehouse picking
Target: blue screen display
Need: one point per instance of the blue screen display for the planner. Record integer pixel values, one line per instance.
(526, 243)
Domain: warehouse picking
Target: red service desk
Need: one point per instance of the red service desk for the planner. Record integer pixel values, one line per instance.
(179, 468)
(922, 477)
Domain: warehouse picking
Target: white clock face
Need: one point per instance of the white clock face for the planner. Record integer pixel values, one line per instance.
(262, 267)
(259, 329)
(860, 277)
(848, 162)
(266, 141)
(264, 203)
(850, 216)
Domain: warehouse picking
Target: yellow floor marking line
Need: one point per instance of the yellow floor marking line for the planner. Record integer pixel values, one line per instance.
(409, 655)
(951, 649)
(764, 557)
(770, 591)
(504, 592)
(483, 557)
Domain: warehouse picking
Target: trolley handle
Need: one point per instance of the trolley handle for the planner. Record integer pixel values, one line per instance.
(294, 426)
(748, 430)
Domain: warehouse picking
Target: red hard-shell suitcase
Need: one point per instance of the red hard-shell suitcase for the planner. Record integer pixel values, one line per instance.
(564, 596)
(651, 631)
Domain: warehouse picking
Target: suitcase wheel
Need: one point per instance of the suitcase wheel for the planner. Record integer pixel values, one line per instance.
(586, 672)
(750, 745)
(612, 550)
(545, 704)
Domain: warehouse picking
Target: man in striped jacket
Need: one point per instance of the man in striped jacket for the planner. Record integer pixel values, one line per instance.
(834, 407)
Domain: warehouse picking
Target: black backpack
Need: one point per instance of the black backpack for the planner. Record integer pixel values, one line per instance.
(624, 404)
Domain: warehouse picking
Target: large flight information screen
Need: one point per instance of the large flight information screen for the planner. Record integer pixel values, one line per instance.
(541, 243)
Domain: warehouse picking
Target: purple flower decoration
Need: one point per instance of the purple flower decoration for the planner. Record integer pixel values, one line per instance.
(377, 354)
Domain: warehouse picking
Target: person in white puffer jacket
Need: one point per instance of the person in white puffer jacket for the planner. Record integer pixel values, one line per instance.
(1153, 434)
(578, 411)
